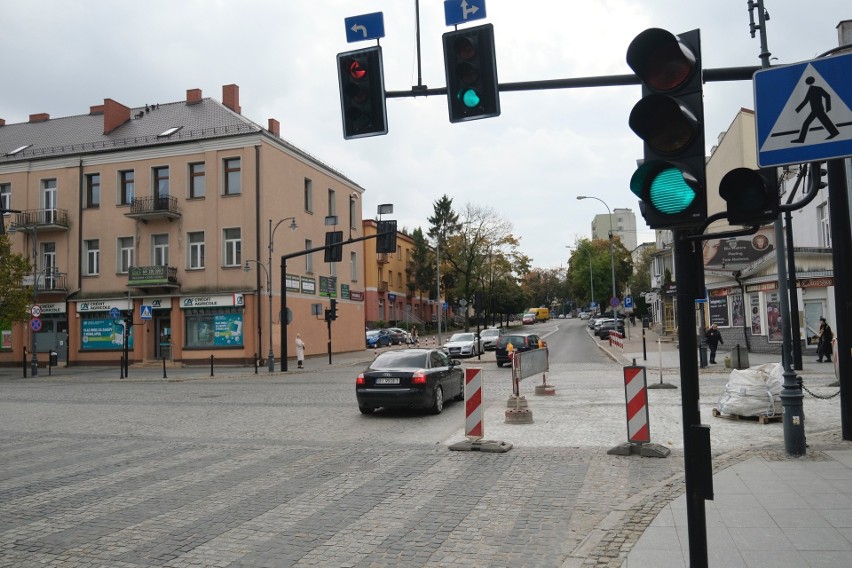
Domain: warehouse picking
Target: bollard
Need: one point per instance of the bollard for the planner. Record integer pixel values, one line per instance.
(255, 363)
(24, 363)
(164, 369)
(211, 365)
(121, 367)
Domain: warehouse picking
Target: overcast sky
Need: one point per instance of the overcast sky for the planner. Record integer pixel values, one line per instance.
(529, 164)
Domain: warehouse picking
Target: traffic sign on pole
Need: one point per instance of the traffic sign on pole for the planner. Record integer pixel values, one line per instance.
(35, 324)
(145, 312)
(802, 111)
(365, 26)
(35, 310)
(461, 11)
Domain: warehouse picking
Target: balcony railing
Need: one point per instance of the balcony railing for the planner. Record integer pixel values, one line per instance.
(160, 207)
(40, 220)
(382, 258)
(49, 282)
(383, 287)
(152, 277)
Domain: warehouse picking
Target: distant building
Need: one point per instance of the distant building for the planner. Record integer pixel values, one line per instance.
(623, 223)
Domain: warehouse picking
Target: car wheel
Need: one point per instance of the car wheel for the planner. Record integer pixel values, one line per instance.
(438, 400)
(499, 364)
(365, 409)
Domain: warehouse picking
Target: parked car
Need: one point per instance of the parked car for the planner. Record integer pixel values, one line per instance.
(529, 318)
(400, 335)
(378, 338)
(608, 326)
(463, 345)
(585, 315)
(599, 322)
(488, 338)
(561, 316)
(521, 341)
(409, 378)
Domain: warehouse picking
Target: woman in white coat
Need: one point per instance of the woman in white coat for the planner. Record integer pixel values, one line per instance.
(300, 351)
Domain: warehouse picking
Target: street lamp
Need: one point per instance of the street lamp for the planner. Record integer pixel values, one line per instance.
(270, 358)
(611, 246)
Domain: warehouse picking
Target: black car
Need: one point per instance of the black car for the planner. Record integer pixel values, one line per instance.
(608, 326)
(520, 342)
(412, 378)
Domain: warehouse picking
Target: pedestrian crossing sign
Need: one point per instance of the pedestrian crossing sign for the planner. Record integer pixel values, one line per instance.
(803, 112)
(145, 312)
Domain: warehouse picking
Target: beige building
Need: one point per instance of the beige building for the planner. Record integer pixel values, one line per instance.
(175, 215)
(623, 225)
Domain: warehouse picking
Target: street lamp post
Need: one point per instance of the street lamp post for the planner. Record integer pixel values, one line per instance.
(270, 358)
(611, 245)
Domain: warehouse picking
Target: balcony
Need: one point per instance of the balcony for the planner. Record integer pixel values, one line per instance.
(383, 287)
(153, 208)
(47, 282)
(152, 277)
(382, 258)
(40, 221)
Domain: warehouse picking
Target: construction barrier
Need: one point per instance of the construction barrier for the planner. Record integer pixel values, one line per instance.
(473, 423)
(636, 396)
(616, 339)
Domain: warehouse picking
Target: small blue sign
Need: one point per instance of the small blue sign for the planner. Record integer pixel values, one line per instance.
(802, 111)
(614, 302)
(145, 312)
(115, 313)
(365, 26)
(593, 305)
(628, 302)
(461, 11)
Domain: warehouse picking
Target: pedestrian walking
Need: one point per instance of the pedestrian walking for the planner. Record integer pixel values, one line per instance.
(714, 338)
(415, 336)
(300, 351)
(826, 336)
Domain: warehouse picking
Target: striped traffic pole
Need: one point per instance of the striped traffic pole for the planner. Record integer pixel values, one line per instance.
(636, 395)
(473, 426)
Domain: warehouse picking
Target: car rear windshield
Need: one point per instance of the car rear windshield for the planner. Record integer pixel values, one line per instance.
(400, 360)
(513, 339)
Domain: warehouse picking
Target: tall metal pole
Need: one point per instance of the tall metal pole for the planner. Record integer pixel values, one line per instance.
(283, 316)
(271, 355)
(34, 360)
(438, 280)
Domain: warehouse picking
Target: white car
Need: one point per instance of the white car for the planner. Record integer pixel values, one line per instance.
(463, 345)
(488, 338)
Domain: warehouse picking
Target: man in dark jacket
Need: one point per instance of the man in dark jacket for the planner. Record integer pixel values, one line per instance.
(826, 336)
(714, 338)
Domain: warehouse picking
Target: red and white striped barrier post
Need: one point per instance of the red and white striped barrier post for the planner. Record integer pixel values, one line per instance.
(616, 338)
(473, 424)
(638, 426)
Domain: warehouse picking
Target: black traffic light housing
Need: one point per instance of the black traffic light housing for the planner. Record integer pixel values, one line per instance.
(671, 183)
(471, 69)
(751, 195)
(333, 309)
(334, 249)
(362, 93)
(386, 236)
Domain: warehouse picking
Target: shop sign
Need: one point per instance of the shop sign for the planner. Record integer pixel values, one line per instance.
(765, 287)
(51, 308)
(356, 295)
(816, 282)
(309, 285)
(224, 300)
(103, 305)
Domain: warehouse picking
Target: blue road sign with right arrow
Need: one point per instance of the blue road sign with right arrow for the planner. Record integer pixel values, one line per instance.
(461, 11)
(365, 26)
(802, 111)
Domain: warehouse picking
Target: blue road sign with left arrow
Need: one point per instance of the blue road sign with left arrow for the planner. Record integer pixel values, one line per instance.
(365, 26)
(802, 111)
(461, 11)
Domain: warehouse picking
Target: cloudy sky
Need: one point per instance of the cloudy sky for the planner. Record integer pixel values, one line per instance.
(529, 164)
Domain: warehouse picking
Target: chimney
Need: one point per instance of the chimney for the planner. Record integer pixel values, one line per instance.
(96, 109)
(115, 114)
(275, 127)
(193, 96)
(2, 122)
(40, 117)
(231, 97)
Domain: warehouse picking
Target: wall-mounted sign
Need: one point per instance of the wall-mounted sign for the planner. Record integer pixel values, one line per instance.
(224, 300)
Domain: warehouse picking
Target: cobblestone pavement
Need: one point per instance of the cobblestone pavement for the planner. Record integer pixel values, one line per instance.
(225, 472)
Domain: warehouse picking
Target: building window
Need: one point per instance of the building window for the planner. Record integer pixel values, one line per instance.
(233, 254)
(353, 266)
(214, 327)
(5, 195)
(309, 196)
(824, 223)
(197, 181)
(399, 252)
(332, 206)
(309, 258)
(92, 251)
(232, 176)
(160, 250)
(49, 200)
(126, 187)
(196, 250)
(125, 254)
(161, 186)
(93, 190)
(352, 212)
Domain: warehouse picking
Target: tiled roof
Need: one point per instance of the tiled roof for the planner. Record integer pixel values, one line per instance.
(83, 134)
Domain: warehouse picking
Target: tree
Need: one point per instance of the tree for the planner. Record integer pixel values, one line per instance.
(423, 267)
(601, 267)
(14, 298)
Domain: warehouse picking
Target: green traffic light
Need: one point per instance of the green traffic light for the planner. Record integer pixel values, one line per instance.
(469, 98)
(669, 192)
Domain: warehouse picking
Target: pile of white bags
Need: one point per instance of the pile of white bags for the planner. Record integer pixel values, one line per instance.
(754, 391)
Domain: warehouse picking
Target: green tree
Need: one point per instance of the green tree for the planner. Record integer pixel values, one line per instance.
(14, 298)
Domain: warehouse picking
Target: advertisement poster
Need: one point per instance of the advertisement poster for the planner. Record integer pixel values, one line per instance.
(773, 317)
(328, 286)
(107, 333)
(754, 305)
(719, 311)
(6, 339)
(737, 310)
(228, 330)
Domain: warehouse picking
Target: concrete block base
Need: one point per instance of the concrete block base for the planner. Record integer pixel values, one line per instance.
(516, 402)
(487, 446)
(519, 416)
(644, 450)
(548, 390)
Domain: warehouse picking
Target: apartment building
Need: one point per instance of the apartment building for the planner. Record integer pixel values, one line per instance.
(176, 215)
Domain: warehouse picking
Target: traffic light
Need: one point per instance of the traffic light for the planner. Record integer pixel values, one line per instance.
(386, 236)
(333, 309)
(671, 182)
(471, 69)
(334, 249)
(362, 93)
(752, 195)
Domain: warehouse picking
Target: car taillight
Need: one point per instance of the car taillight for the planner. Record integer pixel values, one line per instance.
(418, 378)
(360, 380)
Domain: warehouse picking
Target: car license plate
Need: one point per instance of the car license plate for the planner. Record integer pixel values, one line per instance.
(385, 381)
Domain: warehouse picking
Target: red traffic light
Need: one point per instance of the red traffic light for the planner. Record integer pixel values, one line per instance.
(356, 71)
(664, 123)
(660, 60)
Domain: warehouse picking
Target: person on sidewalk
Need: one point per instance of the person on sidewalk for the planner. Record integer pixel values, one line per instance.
(824, 348)
(300, 351)
(714, 338)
